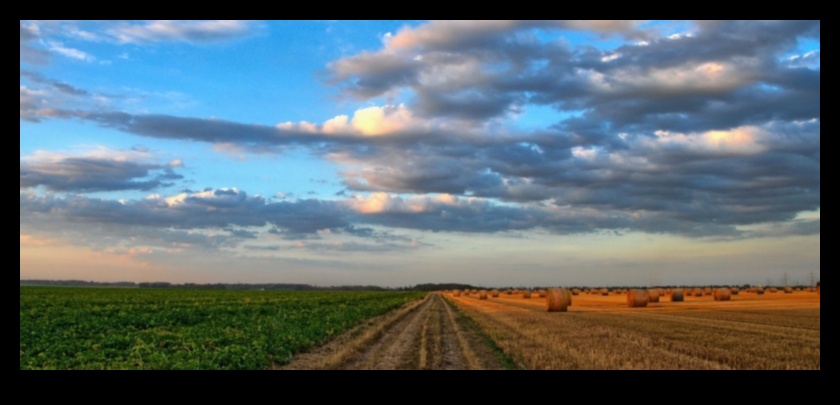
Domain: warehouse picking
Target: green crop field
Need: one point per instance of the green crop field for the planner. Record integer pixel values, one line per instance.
(92, 328)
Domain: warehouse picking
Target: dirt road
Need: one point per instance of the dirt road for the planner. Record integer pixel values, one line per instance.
(428, 335)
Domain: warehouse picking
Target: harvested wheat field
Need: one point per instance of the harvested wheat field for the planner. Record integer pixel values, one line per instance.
(750, 332)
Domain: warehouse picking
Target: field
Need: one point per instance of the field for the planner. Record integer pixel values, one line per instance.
(78, 328)
(74, 328)
(770, 332)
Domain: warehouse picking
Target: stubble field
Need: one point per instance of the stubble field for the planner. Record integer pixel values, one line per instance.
(770, 332)
(77, 328)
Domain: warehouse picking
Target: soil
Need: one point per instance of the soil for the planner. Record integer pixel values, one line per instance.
(429, 335)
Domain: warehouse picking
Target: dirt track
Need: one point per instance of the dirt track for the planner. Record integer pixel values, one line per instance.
(429, 335)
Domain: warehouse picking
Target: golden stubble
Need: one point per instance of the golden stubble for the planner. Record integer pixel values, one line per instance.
(771, 332)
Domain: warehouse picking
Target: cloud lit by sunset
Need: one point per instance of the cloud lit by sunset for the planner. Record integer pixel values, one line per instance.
(392, 153)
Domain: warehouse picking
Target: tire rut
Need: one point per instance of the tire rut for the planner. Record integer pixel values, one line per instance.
(428, 336)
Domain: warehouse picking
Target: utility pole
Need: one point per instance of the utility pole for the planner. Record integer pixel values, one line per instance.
(813, 283)
(785, 281)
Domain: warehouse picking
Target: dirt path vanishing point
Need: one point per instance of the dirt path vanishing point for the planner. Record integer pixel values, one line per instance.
(426, 335)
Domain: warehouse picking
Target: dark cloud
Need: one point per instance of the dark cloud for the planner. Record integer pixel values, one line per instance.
(473, 70)
(698, 135)
(93, 174)
(215, 209)
(60, 86)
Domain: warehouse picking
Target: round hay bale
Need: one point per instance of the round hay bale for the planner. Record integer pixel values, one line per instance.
(759, 291)
(508, 292)
(773, 290)
(576, 292)
(818, 289)
(707, 291)
(637, 299)
(494, 294)
(482, 295)
(698, 292)
(456, 294)
(605, 292)
(558, 300)
(735, 291)
(677, 296)
(653, 296)
(526, 295)
(723, 294)
(543, 293)
(788, 290)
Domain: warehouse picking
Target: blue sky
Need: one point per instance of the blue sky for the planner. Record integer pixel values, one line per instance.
(499, 153)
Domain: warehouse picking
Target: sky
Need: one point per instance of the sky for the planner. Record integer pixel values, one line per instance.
(393, 153)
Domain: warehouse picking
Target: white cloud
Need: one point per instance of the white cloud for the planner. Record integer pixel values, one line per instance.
(73, 53)
(369, 121)
(743, 140)
(378, 203)
(186, 31)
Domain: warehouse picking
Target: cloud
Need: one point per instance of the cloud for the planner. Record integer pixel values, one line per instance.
(699, 134)
(59, 48)
(481, 70)
(37, 105)
(95, 171)
(29, 33)
(57, 85)
(182, 31)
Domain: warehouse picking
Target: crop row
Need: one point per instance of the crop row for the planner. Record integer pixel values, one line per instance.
(78, 328)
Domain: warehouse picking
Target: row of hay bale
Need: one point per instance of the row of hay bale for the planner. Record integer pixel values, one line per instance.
(641, 298)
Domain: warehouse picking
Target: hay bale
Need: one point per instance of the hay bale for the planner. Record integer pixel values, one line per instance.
(707, 291)
(509, 292)
(653, 296)
(456, 294)
(773, 290)
(677, 296)
(759, 291)
(605, 292)
(494, 293)
(637, 299)
(526, 295)
(735, 291)
(788, 290)
(723, 294)
(576, 292)
(698, 292)
(482, 295)
(558, 300)
(543, 293)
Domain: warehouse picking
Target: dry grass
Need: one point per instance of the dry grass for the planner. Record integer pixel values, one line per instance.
(750, 332)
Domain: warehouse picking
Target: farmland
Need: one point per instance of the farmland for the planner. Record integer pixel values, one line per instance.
(96, 328)
(90, 328)
(772, 332)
